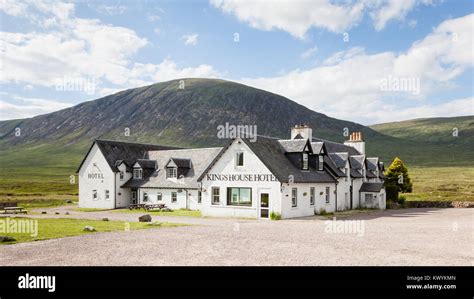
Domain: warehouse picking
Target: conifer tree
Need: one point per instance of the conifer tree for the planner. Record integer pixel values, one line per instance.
(397, 175)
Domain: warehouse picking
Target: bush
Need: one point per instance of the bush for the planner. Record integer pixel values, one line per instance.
(401, 200)
(275, 216)
(322, 212)
(392, 193)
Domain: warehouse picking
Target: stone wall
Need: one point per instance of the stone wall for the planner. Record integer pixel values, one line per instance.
(439, 204)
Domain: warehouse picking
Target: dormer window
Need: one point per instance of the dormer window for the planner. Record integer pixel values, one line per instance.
(171, 172)
(305, 161)
(137, 173)
(321, 163)
(121, 175)
(239, 158)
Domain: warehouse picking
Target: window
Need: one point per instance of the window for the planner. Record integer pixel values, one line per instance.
(294, 197)
(369, 198)
(239, 159)
(311, 196)
(159, 197)
(305, 161)
(321, 163)
(137, 173)
(215, 195)
(199, 196)
(171, 172)
(174, 197)
(239, 196)
(145, 196)
(327, 194)
(94, 194)
(345, 172)
(121, 175)
(107, 195)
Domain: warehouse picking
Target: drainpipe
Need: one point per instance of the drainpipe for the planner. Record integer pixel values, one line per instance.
(115, 190)
(335, 209)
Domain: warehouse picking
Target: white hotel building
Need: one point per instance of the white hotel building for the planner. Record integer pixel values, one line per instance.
(295, 177)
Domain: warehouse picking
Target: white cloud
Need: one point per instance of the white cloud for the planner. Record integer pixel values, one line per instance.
(81, 49)
(298, 16)
(12, 7)
(190, 39)
(348, 85)
(295, 16)
(28, 107)
(308, 53)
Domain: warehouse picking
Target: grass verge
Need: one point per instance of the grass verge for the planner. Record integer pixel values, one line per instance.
(52, 228)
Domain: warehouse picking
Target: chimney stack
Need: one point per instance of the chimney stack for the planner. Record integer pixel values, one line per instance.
(356, 141)
(301, 132)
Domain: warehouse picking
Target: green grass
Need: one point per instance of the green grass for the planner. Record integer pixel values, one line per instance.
(441, 183)
(180, 212)
(64, 227)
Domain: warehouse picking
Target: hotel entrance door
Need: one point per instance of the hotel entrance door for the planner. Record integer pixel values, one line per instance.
(264, 205)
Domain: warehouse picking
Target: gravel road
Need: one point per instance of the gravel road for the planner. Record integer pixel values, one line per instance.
(392, 237)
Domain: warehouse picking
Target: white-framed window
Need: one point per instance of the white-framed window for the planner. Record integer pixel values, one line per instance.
(94, 195)
(312, 193)
(171, 172)
(305, 161)
(294, 197)
(239, 196)
(216, 197)
(174, 196)
(107, 195)
(199, 196)
(159, 197)
(145, 196)
(327, 194)
(137, 173)
(121, 175)
(321, 163)
(239, 158)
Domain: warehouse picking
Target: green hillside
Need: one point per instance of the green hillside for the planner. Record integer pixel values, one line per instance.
(40, 161)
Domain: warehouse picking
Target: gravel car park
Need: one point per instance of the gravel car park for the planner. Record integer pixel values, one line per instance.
(391, 237)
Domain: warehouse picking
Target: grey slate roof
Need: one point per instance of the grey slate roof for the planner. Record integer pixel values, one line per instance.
(339, 159)
(200, 158)
(371, 187)
(317, 147)
(182, 163)
(272, 155)
(146, 163)
(334, 147)
(335, 170)
(126, 151)
(293, 146)
(371, 163)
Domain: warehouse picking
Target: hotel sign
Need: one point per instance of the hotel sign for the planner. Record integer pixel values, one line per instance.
(95, 176)
(241, 177)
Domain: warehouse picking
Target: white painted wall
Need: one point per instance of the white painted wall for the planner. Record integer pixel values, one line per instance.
(226, 165)
(95, 163)
(123, 195)
(304, 208)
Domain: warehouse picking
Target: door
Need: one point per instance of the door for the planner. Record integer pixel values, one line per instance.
(264, 205)
(134, 197)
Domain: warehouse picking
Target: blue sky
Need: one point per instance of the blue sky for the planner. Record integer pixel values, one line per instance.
(367, 61)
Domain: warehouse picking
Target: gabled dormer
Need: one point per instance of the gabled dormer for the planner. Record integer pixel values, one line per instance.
(298, 151)
(137, 172)
(177, 168)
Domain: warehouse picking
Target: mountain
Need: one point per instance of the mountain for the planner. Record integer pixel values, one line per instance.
(451, 131)
(163, 113)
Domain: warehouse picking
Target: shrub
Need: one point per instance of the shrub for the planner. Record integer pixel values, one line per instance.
(275, 216)
(392, 192)
(401, 200)
(322, 212)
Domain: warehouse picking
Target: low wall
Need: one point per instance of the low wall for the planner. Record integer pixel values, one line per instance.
(439, 204)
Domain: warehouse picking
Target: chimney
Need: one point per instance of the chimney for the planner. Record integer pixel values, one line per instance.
(301, 132)
(356, 141)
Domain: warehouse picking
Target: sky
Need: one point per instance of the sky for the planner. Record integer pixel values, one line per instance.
(367, 61)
